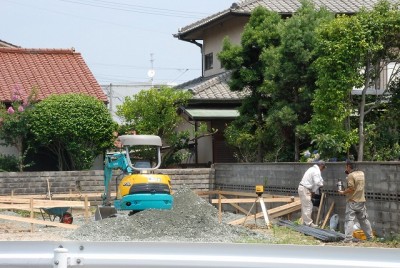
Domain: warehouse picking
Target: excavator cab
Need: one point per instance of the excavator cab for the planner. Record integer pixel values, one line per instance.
(139, 189)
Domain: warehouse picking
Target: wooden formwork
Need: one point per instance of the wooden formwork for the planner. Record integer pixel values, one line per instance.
(236, 198)
(36, 203)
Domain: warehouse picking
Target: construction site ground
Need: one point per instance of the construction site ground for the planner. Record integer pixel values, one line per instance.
(191, 220)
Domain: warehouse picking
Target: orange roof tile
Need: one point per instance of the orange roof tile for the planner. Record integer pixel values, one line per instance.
(51, 71)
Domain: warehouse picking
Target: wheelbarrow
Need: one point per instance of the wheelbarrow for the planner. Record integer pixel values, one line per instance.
(60, 212)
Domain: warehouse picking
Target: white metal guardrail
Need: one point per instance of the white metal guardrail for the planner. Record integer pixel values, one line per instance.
(158, 254)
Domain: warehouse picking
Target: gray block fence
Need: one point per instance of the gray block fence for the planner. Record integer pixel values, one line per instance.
(382, 185)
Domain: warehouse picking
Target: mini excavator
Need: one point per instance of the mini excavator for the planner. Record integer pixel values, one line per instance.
(139, 188)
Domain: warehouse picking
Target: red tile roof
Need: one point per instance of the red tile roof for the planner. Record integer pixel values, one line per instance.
(51, 71)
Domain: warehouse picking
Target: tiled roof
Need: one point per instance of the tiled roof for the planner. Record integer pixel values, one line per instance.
(51, 71)
(245, 7)
(212, 88)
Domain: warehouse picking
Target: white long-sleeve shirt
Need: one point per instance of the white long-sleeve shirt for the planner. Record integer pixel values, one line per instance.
(312, 179)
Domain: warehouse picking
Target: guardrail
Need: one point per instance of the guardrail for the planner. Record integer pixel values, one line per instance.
(158, 254)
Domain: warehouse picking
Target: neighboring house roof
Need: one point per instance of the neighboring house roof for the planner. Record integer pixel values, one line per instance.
(213, 88)
(6, 44)
(51, 71)
(245, 7)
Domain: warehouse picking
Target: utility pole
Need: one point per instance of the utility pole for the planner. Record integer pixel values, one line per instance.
(151, 72)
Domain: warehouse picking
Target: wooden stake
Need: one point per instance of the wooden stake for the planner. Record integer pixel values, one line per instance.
(319, 208)
(219, 208)
(328, 214)
(86, 209)
(32, 213)
(12, 195)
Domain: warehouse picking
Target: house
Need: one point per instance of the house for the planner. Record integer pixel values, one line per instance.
(211, 92)
(6, 44)
(50, 71)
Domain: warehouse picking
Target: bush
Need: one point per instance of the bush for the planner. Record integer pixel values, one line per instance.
(8, 163)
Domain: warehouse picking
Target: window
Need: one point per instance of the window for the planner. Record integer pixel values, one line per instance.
(208, 61)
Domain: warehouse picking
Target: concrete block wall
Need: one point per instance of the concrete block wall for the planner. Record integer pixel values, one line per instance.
(60, 182)
(25, 183)
(382, 187)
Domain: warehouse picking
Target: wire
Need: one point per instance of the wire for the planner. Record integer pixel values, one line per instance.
(137, 9)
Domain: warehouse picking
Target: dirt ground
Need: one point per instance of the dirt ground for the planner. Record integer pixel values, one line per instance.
(17, 231)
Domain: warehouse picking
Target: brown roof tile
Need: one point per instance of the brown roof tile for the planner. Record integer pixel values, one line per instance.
(51, 71)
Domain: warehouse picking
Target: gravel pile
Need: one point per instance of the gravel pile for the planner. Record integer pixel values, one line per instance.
(192, 219)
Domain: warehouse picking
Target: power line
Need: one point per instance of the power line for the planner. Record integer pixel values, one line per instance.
(137, 8)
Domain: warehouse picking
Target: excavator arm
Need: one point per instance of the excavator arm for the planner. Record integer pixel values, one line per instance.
(113, 161)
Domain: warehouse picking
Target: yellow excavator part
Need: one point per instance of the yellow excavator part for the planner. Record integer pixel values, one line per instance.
(142, 180)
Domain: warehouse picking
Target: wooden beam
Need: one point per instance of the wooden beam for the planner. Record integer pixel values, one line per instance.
(328, 214)
(38, 203)
(60, 196)
(249, 200)
(321, 203)
(41, 222)
(237, 206)
(273, 212)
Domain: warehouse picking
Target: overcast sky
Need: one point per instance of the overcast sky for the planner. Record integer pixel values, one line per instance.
(115, 37)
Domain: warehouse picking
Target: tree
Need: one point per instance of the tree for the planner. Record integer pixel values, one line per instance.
(383, 136)
(296, 80)
(154, 112)
(252, 64)
(273, 63)
(354, 53)
(13, 122)
(76, 128)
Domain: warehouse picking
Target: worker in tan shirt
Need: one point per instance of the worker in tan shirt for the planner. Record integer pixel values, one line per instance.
(355, 202)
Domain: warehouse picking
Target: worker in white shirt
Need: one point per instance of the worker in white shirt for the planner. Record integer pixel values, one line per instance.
(310, 183)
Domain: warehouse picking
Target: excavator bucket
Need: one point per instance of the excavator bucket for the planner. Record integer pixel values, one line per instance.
(104, 212)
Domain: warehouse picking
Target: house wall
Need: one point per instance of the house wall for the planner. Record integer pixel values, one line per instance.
(204, 154)
(8, 150)
(213, 40)
(203, 144)
(382, 187)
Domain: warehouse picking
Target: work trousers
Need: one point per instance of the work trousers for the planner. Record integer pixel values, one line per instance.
(357, 210)
(306, 204)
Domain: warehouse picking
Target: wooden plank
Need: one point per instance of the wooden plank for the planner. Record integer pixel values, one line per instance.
(328, 214)
(38, 203)
(237, 206)
(273, 212)
(60, 196)
(320, 208)
(249, 200)
(41, 222)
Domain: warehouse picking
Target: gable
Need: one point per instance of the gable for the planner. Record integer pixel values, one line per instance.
(195, 30)
(50, 71)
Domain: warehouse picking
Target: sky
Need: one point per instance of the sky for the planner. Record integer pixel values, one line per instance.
(120, 40)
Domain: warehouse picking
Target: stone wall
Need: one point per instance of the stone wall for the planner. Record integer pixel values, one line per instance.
(382, 187)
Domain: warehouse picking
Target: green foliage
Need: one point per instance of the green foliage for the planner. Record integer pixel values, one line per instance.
(274, 64)
(353, 52)
(13, 122)
(75, 127)
(383, 136)
(154, 111)
(9, 163)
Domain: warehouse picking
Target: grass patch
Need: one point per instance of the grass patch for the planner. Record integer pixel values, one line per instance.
(285, 235)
